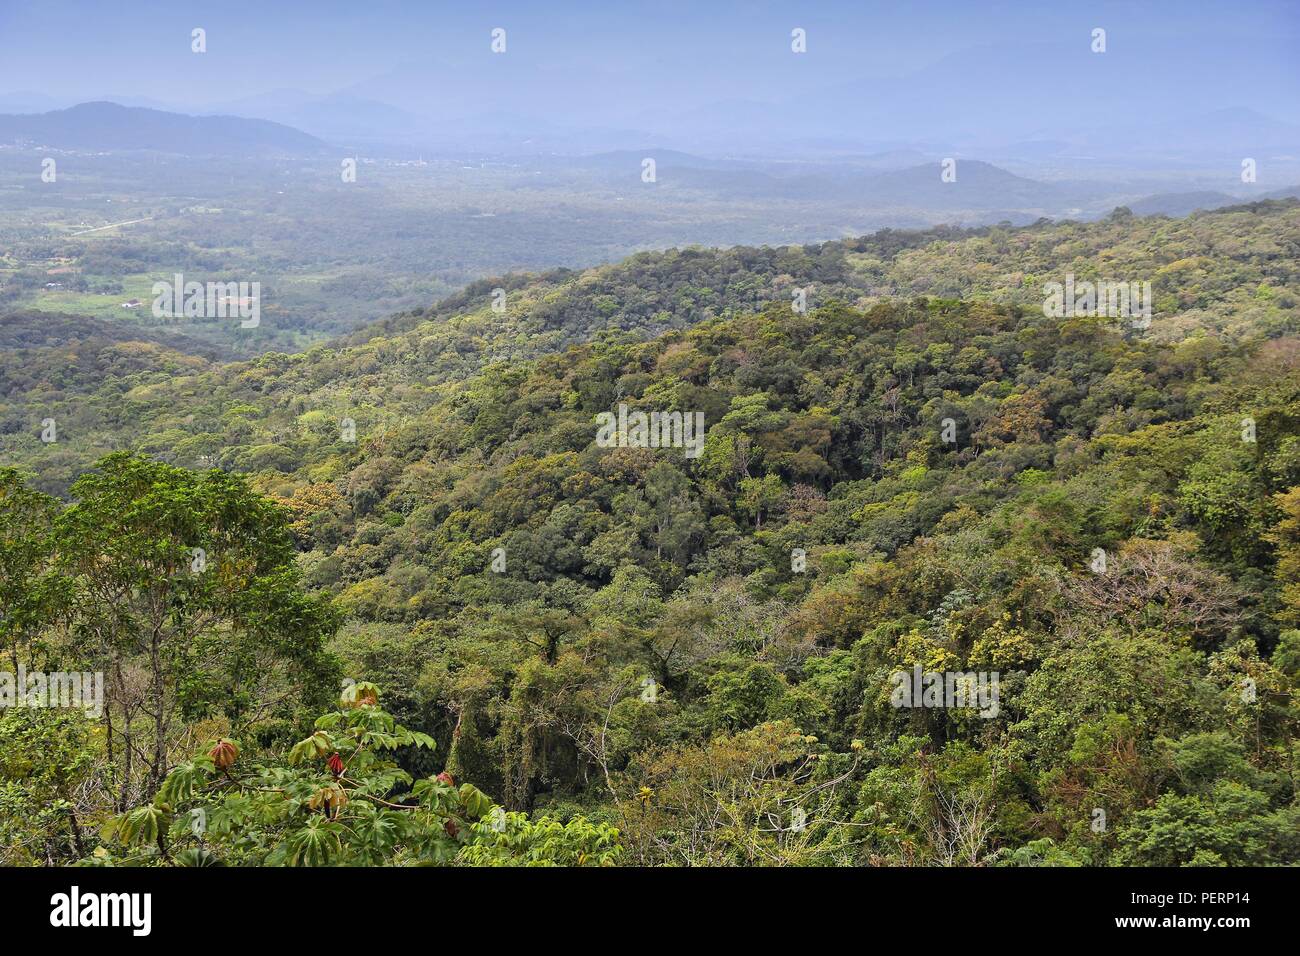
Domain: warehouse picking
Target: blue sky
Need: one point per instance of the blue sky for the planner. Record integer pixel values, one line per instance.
(82, 48)
(995, 78)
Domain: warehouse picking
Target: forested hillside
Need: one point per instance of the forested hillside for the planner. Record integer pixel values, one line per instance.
(646, 656)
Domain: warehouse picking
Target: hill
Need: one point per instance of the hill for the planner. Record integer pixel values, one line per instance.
(108, 126)
(921, 474)
(978, 189)
(1230, 273)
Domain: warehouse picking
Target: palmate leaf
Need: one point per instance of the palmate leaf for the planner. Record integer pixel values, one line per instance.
(391, 738)
(381, 740)
(313, 748)
(330, 799)
(422, 740)
(276, 815)
(360, 694)
(384, 781)
(315, 844)
(369, 718)
(184, 780)
(432, 792)
(141, 825)
(329, 720)
(379, 832)
(197, 856)
(474, 802)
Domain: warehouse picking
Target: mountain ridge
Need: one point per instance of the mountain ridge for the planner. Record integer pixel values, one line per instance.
(109, 126)
(412, 356)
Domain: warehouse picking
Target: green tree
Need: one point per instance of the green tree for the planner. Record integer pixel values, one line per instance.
(337, 797)
(31, 592)
(189, 580)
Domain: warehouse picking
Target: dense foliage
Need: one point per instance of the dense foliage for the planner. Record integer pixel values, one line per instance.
(649, 658)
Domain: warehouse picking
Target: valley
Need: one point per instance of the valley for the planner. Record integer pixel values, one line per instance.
(511, 585)
(838, 437)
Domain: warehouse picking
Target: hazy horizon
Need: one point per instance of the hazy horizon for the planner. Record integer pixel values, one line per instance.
(1014, 81)
(428, 145)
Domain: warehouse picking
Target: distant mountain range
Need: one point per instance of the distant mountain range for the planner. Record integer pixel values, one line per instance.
(1183, 204)
(1009, 103)
(904, 180)
(111, 127)
(919, 185)
(341, 119)
(888, 181)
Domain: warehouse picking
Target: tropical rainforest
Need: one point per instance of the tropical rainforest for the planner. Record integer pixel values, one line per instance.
(388, 602)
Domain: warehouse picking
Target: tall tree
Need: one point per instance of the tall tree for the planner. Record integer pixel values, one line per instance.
(187, 596)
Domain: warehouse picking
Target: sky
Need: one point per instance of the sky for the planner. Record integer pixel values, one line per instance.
(142, 47)
(942, 71)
